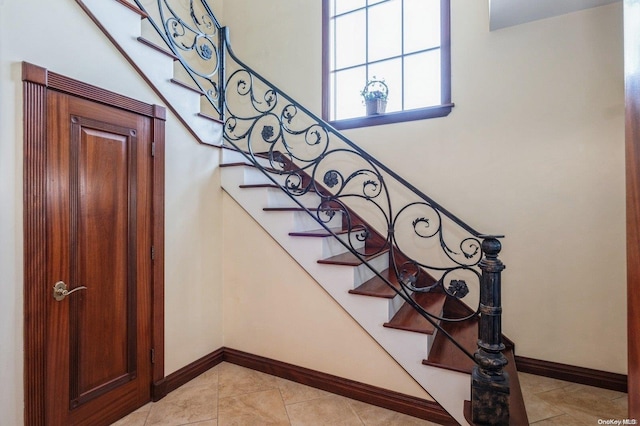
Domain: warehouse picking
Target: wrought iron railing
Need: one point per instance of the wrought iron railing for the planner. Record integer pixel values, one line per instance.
(429, 248)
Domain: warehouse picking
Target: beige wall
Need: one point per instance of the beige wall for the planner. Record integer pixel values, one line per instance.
(59, 36)
(533, 149)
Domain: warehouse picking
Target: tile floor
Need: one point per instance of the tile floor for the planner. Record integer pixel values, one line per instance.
(232, 395)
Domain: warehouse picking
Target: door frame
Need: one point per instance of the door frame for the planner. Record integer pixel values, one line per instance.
(37, 81)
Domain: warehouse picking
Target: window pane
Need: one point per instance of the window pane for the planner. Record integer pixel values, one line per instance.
(385, 30)
(347, 5)
(372, 2)
(422, 80)
(391, 73)
(421, 25)
(348, 101)
(350, 36)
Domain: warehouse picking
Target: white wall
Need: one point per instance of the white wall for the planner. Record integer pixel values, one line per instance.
(534, 149)
(58, 35)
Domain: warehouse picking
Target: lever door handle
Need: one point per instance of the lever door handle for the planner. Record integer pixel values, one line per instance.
(60, 290)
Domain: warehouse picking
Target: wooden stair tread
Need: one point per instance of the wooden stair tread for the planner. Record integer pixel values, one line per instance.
(235, 164)
(259, 185)
(187, 86)
(319, 232)
(133, 8)
(349, 259)
(158, 48)
(517, 409)
(407, 318)
(377, 287)
(241, 163)
(298, 209)
(445, 354)
(212, 118)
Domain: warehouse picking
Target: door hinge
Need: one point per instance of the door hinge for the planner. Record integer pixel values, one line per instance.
(153, 356)
(153, 149)
(153, 253)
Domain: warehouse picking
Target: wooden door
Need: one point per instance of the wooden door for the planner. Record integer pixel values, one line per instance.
(93, 223)
(99, 237)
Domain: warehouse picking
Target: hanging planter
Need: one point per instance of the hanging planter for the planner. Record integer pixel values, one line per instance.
(375, 94)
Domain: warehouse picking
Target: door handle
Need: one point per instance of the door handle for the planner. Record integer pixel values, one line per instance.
(60, 290)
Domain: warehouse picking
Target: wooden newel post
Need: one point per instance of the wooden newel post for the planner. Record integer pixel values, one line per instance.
(489, 381)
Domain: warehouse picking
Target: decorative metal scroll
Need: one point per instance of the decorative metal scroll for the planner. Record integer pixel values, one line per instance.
(430, 249)
(192, 32)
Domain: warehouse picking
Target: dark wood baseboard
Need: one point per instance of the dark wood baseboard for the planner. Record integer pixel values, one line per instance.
(189, 372)
(570, 373)
(391, 400)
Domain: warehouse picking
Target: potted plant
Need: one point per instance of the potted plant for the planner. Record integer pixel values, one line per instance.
(375, 94)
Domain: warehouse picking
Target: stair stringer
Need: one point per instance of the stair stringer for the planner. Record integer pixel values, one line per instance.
(449, 388)
(123, 26)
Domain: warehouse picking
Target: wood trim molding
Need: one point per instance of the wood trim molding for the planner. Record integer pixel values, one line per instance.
(395, 401)
(189, 372)
(632, 154)
(35, 255)
(37, 81)
(50, 80)
(157, 237)
(570, 373)
(406, 404)
(133, 8)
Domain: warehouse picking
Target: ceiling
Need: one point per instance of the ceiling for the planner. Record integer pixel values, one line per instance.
(506, 13)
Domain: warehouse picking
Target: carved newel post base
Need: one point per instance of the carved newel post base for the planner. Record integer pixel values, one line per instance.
(489, 398)
(489, 381)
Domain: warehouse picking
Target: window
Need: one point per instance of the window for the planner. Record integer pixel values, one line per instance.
(405, 43)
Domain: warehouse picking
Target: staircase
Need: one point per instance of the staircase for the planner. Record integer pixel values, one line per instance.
(312, 210)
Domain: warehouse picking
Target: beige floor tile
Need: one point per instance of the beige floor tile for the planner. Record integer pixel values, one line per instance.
(586, 403)
(208, 378)
(532, 384)
(539, 409)
(258, 408)
(564, 420)
(137, 418)
(372, 415)
(235, 380)
(232, 395)
(188, 404)
(328, 410)
(293, 392)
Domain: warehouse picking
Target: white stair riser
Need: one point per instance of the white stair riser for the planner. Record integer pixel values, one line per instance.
(233, 156)
(279, 198)
(395, 304)
(332, 246)
(379, 264)
(254, 176)
(303, 221)
(149, 33)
